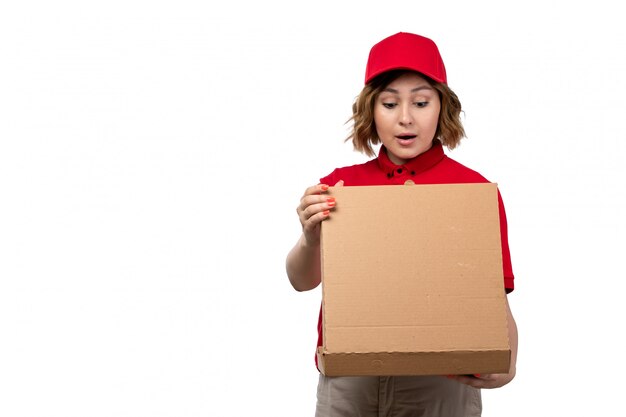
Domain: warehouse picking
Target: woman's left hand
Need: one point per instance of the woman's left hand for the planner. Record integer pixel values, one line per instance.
(485, 380)
(496, 380)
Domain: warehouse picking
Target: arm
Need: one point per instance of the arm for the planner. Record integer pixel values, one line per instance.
(303, 265)
(303, 261)
(497, 380)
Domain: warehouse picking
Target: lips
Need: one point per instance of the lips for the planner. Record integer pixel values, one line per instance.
(406, 136)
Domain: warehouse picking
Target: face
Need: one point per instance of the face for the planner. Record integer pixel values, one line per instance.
(406, 114)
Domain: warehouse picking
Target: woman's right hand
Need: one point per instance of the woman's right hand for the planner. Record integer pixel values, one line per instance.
(315, 206)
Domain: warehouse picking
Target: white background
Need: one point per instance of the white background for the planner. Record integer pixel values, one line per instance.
(152, 155)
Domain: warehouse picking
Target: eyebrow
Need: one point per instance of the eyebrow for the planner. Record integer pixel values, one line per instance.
(422, 87)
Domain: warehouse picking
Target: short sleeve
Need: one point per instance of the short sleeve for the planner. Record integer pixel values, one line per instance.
(507, 267)
(330, 179)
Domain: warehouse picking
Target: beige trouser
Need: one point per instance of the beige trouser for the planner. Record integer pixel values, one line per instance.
(399, 396)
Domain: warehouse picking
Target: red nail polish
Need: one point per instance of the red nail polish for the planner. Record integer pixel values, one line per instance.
(326, 212)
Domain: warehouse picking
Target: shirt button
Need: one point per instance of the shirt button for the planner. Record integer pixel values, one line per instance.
(412, 172)
(399, 170)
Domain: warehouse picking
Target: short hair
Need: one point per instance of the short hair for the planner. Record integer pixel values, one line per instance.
(449, 127)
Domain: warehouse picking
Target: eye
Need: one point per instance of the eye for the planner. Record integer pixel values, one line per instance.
(421, 103)
(389, 105)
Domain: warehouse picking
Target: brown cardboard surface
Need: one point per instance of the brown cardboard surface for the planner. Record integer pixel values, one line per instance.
(412, 281)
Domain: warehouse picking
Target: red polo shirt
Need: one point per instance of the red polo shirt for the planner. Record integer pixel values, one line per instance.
(430, 167)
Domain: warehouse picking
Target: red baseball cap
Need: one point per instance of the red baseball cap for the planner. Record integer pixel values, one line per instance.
(406, 51)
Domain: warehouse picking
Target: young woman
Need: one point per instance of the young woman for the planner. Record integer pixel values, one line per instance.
(407, 107)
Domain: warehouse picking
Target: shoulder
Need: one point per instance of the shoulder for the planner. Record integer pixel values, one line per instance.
(350, 173)
(463, 174)
(460, 172)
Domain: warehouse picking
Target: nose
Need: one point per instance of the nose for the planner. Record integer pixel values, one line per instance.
(406, 118)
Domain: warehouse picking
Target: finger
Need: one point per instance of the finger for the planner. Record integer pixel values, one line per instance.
(468, 380)
(312, 205)
(311, 228)
(312, 222)
(309, 200)
(316, 189)
(311, 196)
(339, 183)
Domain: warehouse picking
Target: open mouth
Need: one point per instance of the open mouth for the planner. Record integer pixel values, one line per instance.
(406, 137)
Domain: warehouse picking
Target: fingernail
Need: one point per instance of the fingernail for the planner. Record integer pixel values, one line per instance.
(477, 375)
(326, 212)
(330, 201)
(324, 187)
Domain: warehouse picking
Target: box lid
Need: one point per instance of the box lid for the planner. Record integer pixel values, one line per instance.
(414, 271)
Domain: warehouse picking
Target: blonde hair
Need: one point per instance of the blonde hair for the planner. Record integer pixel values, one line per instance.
(449, 127)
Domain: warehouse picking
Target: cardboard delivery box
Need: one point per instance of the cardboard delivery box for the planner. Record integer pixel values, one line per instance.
(412, 282)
